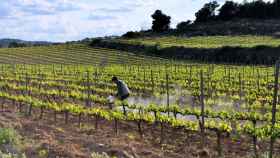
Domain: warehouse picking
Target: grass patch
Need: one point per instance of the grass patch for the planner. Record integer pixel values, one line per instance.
(10, 144)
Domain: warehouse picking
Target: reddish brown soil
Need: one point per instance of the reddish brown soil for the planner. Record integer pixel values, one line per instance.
(70, 141)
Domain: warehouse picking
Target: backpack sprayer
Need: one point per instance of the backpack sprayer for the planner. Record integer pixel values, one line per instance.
(111, 100)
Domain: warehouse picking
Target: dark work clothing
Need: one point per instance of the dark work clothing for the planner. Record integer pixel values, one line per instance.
(123, 91)
(124, 97)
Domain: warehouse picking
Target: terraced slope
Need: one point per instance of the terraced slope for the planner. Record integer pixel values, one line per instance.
(71, 54)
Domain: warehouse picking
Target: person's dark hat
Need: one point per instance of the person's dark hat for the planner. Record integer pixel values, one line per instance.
(114, 78)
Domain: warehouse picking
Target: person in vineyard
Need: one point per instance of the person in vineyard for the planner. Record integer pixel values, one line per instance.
(122, 90)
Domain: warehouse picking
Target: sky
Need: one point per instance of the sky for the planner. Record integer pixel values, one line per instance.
(68, 20)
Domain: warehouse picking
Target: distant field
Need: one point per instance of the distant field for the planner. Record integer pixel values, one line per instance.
(208, 41)
(70, 54)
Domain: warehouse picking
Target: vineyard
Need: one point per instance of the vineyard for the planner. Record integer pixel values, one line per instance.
(207, 41)
(228, 101)
(71, 54)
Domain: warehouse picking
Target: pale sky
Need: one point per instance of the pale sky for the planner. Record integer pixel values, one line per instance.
(66, 20)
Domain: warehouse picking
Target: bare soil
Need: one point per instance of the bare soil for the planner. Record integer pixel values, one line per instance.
(71, 141)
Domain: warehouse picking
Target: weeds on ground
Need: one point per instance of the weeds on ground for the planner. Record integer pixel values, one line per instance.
(9, 155)
(9, 140)
(9, 136)
(97, 155)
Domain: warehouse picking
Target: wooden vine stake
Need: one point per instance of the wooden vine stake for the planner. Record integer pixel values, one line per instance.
(144, 79)
(116, 126)
(2, 68)
(152, 80)
(272, 139)
(240, 87)
(28, 93)
(139, 123)
(255, 140)
(88, 103)
(229, 76)
(209, 88)
(219, 143)
(190, 76)
(161, 132)
(61, 68)
(258, 81)
(66, 115)
(79, 119)
(40, 90)
(202, 108)
(267, 75)
(167, 91)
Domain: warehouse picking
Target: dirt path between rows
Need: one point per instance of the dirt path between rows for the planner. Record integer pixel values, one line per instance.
(62, 140)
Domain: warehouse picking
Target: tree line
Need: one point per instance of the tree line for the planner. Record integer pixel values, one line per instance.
(229, 10)
(212, 11)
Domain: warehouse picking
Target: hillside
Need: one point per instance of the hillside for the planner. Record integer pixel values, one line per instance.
(269, 27)
(5, 42)
(70, 54)
(245, 41)
(236, 27)
(239, 49)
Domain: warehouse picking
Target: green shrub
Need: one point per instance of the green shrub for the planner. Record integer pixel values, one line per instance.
(131, 34)
(95, 41)
(8, 136)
